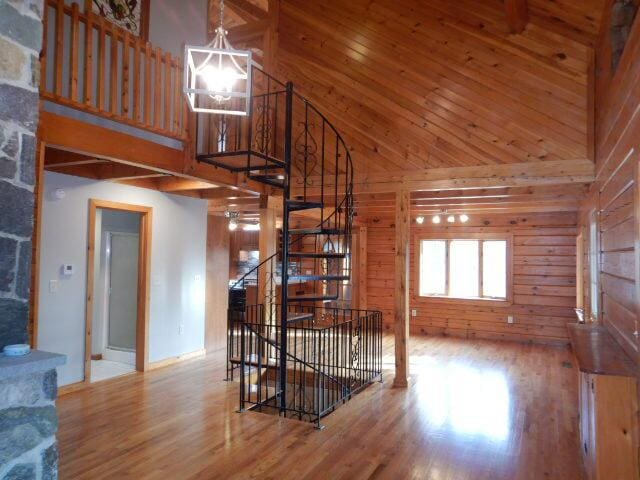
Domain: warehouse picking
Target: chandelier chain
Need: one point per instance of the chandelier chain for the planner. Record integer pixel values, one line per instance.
(221, 12)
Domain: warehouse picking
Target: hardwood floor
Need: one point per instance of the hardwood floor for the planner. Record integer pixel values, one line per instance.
(473, 410)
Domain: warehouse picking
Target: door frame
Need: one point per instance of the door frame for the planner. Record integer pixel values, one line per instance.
(144, 275)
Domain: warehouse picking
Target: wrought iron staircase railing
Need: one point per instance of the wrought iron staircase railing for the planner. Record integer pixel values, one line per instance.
(288, 144)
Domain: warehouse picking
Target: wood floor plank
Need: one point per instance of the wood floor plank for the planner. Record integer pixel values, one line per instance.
(474, 410)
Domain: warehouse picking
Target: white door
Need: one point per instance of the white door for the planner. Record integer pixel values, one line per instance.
(122, 305)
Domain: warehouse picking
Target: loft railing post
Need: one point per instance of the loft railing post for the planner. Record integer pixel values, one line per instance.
(285, 247)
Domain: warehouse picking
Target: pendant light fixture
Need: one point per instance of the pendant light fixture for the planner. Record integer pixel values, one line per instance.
(217, 78)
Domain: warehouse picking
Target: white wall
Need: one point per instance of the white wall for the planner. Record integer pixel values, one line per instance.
(178, 255)
(173, 24)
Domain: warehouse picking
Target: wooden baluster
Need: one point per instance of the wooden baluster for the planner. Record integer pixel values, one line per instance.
(59, 45)
(125, 74)
(88, 60)
(167, 91)
(147, 84)
(102, 66)
(176, 97)
(75, 46)
(43, 51)
(157, 113)
(113, 83)
(136, 80)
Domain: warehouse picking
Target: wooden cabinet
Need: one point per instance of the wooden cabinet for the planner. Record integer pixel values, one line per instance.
(608, 400)
(608, 418)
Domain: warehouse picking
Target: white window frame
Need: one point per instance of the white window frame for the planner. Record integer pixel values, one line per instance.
(480, 238)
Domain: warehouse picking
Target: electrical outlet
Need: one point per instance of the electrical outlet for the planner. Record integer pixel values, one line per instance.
(197, 278)
(181, 329)
(510, 319)
(53, 286)
(414, 313)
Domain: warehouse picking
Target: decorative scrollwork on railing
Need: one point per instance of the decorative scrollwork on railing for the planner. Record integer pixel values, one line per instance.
(306, 151)
(263, 135)
(355, 354)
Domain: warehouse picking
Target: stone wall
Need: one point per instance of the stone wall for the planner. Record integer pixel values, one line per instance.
(28, 424)
(20, 44)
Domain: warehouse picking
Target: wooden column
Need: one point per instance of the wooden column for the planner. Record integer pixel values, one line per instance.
(217, 286)
(517, 15)
(401, 325)
(270, 37)
(362, 268)
(268, 245)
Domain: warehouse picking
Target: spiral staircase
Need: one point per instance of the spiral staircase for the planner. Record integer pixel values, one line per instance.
(298, 351)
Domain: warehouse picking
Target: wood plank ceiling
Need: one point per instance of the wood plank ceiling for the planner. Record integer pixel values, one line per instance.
(444, 83)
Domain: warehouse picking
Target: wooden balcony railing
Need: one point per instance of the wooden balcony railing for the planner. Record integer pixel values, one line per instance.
(92, 65)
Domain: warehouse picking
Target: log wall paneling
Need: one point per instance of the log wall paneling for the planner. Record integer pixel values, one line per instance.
(544, 276)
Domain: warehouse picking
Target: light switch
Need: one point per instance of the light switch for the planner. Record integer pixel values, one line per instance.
(510, 319)
(53, 286)
(414, 313)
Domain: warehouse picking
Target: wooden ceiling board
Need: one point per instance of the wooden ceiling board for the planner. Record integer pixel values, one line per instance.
(442, 83)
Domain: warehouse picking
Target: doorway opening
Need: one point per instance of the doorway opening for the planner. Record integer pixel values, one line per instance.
(117, 286)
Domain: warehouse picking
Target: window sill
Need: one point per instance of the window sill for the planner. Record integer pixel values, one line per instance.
(494, 302)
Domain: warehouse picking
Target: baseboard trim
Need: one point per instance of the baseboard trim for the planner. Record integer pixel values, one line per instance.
(179, 358)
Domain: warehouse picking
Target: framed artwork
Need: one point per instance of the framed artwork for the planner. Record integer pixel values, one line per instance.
(132, 15)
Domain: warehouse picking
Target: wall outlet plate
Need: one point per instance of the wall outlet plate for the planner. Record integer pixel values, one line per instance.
(53, 286)
(181, 329)
(414, 313)
(510, 319)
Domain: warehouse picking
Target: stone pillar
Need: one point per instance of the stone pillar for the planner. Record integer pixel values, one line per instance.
(28, 385)
(20, 44)
(28, 419)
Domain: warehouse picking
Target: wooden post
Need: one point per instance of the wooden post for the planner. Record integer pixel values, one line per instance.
(362, 268)
(268, 245)
(401, 324)
(217, 284)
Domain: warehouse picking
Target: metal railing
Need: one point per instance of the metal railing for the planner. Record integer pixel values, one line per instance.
(328, 359)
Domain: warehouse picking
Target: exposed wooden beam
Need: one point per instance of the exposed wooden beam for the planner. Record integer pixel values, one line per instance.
(270, 38)
(463, 178)
(250, 33)
(108, 171)
(246, 10)
(60, 158)
(225, 193)
(175, 184)
(92, 140)
(517, 15)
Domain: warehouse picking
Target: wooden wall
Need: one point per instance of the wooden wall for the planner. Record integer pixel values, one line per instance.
(614, 195)
(544, 272)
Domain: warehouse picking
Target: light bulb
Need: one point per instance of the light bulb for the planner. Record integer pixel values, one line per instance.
(219, 80)
(436, 219)
(420, 220)
(451, 219)
(233, 225)
(464, 218)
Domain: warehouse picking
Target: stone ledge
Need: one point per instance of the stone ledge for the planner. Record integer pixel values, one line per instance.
(35, 362)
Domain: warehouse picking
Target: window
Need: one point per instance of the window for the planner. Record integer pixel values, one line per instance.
(594, 274)
(467, 268)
